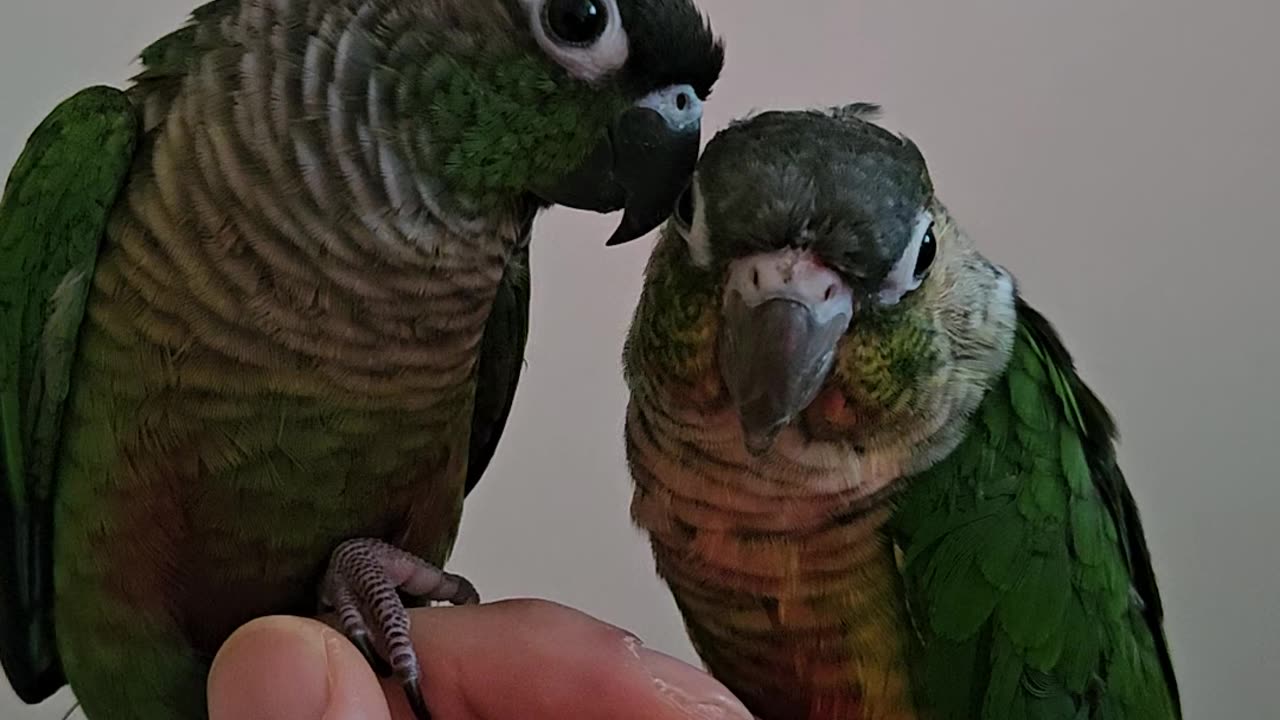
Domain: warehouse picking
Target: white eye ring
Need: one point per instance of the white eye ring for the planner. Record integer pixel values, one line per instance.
(590, 62)
(902, 278)
(695, 234)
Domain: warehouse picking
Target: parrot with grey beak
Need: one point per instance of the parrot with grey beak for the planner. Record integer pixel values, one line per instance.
(263, 313)
(869, 472)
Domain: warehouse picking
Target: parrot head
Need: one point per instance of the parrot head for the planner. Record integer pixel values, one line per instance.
(845, 302)
(591, 104)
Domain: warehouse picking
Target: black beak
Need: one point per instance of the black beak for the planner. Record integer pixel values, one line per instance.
(641, 166)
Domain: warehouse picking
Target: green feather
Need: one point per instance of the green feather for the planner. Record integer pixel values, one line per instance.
(53, 215)
(1006, 555)
(508, 124)
(1028, 399)
(1046, 491)
(1079, 659)
(1074, 464)
(1045, 655)
(1062, 388)
(1033, 608)
(964, 597)
(995, 416)
(1006, 679)
(1087, 537)
(1060, 562)
(956, 674)
(1048, 701)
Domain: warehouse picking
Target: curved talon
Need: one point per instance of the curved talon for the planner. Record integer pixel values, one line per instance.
(466, 594)
(363, 584)
(417, 703)
(364, 644)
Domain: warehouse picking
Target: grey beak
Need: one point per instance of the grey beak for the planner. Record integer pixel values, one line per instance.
(774, 358)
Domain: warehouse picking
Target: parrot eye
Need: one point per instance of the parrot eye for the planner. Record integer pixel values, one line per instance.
(585, 37)
(913, 265)
(575, 22)
(684, 207)
(690, 216)
(928, 251)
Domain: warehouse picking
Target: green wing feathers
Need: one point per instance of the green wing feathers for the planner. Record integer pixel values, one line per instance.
(53, 215)
(501, 360)
(1024, 559)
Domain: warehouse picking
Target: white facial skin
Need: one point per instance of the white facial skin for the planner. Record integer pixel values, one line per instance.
(694, 229)
(589, 61)
(903, 278)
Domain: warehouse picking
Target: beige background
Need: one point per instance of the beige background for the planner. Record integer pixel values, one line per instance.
(1120, 157)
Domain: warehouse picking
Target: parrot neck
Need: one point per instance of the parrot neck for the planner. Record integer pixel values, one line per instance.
(298, 106)
(282, 226)
(786, 582)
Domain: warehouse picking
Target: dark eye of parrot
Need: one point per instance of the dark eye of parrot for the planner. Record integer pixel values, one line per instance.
(928, 250)
(575, 22)
(684, 207)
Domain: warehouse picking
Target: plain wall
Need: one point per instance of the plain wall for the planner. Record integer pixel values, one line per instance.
(1119, 157)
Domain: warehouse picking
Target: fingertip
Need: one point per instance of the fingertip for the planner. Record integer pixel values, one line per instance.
(289, 668)
(355, 692)
(624, 680)
(688, 690)
(534, 660)
(272, 667)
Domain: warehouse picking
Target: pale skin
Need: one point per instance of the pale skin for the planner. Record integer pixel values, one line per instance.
(526, 659)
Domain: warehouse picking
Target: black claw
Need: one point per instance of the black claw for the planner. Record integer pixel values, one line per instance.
(466, 594)
(413, 692)
(412, 601)
(365, 646)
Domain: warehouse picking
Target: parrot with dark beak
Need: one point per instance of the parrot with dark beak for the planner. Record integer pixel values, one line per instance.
(263, 313)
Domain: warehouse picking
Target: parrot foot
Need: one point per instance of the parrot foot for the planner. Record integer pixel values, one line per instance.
(363, 584)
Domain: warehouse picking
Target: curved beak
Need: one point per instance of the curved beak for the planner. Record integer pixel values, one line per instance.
(783, 316)
(641, 165)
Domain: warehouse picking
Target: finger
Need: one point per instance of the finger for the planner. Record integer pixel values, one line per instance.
(533, 660)
(288, 668)
(516, 659)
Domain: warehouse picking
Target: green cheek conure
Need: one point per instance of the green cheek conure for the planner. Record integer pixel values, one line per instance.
(870, 474)
(263, 312)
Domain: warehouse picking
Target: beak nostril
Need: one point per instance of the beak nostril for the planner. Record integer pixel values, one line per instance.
(682, 101)
(755, 278)
(830, 293)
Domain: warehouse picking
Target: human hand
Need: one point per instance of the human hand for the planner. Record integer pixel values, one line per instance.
(524, 659)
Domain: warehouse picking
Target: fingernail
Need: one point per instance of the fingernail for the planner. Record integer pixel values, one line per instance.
(274, 668)
(688, 688)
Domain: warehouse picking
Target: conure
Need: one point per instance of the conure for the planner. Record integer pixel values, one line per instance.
(869, 471)
(263, 311)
